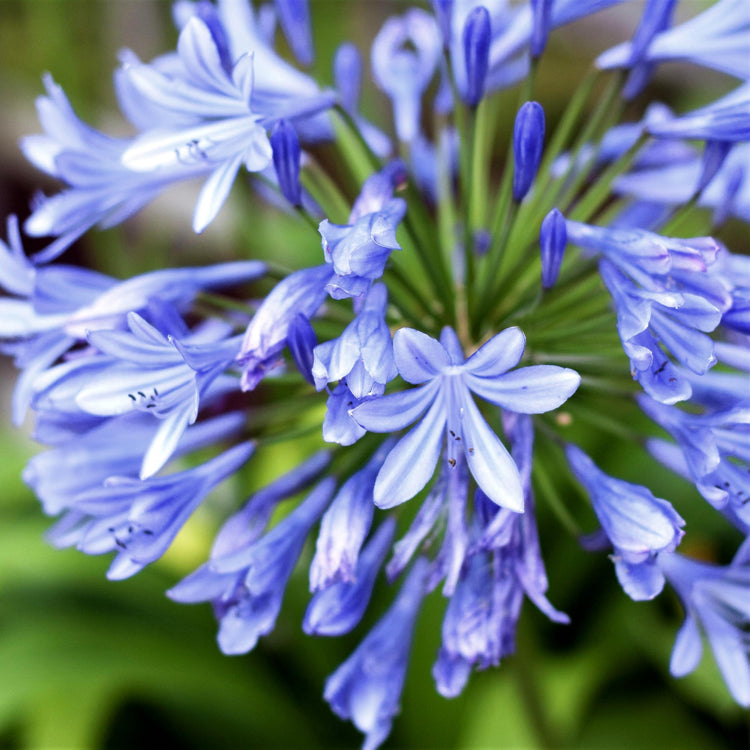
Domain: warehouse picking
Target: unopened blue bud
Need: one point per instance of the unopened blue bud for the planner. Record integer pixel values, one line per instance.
(528, 142)
(444, 14)
(294, 16)
(476, 40)
(553, 238)
(301, 341)
(347, 75)
(286, 160)
(540, 23)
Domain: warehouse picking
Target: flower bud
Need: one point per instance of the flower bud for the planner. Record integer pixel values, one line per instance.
(347, 75)
(444, 14)
(294, 16)
(286, 160)
(540, 23)
(528, 142)
(476, 40)
(553, 238)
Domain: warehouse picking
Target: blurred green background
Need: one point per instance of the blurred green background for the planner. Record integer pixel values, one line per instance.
(85, 663)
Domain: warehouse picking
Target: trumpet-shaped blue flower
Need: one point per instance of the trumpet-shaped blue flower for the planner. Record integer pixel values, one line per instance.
(640, 526)
(717, 601)
(503, 565)
(114, 448)
(247, 582)
(338, 608)
(344, 528)
(139, 519)
(367, 687)
(452, 414)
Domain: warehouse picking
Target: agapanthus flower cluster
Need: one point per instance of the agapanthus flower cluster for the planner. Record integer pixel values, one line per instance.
(477, 292)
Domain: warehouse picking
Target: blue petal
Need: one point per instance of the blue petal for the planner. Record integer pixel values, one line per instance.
(489, 461)
(498, 355)
(411, 463)
(530, 390)
(419, 357)
(396, 410)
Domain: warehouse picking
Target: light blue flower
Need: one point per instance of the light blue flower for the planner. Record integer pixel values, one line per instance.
(367, 687)
(338, 608)
(246, 577)
(639, 526)
(363, 354)
(139, 519)
(404, 57)
(452, 414)
(717, 601)
(718, 38)
(300, 293)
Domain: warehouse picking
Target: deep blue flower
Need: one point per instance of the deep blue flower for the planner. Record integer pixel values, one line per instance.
(716, 600)
(553, 238)
(476, 39)
(286, 160)
(452, 414)
(367, 687)
(541, 12)
(528, 142)
(639, 526)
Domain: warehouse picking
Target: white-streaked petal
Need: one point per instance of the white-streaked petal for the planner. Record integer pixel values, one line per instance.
(213, 194)
(165, 440)
(530, 390)
(498, 355)
(411, 463)
(419, 357)
(395, 411)
(490, 463)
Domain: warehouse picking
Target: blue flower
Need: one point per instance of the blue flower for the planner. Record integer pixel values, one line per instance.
(139, 519)
(359, 251)
(300, 293)
(367, 687)
(246, 577)
(113, 448)
(295, 20)
(726, 119)
(716, 600)
(639, 526)
(344, 528)
(528, 142)
(451, 412)
(717, 38)
(363, 354)
(404, 57)
(339, 607)
(477, 35)
(503, 565)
